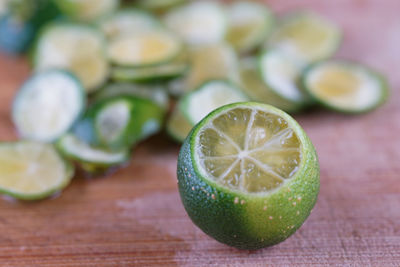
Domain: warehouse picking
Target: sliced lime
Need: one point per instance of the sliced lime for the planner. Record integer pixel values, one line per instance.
(178, 126)
(31, 171)
(201, 22)
(87, 10)
(307, 36)
(144, 48)
(47, 105)
(249, 25)
(345, 86)
(75, 47)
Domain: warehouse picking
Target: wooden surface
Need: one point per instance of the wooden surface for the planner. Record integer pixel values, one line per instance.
(135, 217)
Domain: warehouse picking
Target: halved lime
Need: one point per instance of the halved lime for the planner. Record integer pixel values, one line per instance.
(32, 171)
(345, 86)
(160, 5)
(214, 61)
(307, 36)
(90, 158)
(281, 73)
(248, 175)
(249, 25)
(178, 125)
(47, 105)
(87, 10)
(211, 95)
(153, 92)
(254, 86)
(201, 22)
(75, 47)
(128, 21)
(144, 48)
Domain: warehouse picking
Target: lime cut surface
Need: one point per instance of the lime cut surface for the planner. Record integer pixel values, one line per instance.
(30, 170)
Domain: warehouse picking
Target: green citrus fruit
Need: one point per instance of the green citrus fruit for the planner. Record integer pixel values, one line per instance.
(248, 175)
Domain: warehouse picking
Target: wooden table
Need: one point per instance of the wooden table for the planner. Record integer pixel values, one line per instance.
(135, 216)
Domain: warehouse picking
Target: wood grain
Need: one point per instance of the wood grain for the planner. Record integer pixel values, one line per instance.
(135, 218)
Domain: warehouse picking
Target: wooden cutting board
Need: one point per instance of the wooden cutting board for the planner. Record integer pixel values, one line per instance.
(135, 216)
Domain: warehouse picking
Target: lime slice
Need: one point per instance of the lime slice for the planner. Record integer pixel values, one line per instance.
(248, 175)
(216, 61)
(155, 93)
(144, 48)
(306, 36)
(128, 21)
(249, 25)
(178, 126)
(159, 5)
(253, 85)
(90, 158)
(74, 47)
(201, 22)
(47, 105)
(87, 10)
(32, 171)
(121, 121)
(211, 95)
(281, 73)
(345, 86)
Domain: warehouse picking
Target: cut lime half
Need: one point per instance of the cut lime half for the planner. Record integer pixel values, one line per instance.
(249, 25)
(32, 171)
(248, 175)
(307, 36)
(75, 47)
(345, 86)
(47, 105)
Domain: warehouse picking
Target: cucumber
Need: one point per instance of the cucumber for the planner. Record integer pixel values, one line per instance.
(47, 105)
(201, 22)
(76, 47)
(345, 86)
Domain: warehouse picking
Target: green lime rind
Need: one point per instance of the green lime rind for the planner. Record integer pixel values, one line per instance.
(76, 12)
(249, 41)
(69, 174)
(149, 74)
(26, 86)
(153, 92)
(36, 55)
(178, 126)
(184, 104)
(240, 220)
(253, 85)
(382, 81)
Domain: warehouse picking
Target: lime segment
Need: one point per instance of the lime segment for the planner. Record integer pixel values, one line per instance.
(30, 170)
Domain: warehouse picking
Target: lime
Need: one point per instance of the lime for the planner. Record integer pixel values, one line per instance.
(90, 158)
(159, 5)
(144, 48)
(47, 105)
(249, 25)
(178, 126)
(307, 36)
(31, 171)
(254, 86)
(75, 47)
(198, 23)
(248, 175)
(87, 10)
(345, 86)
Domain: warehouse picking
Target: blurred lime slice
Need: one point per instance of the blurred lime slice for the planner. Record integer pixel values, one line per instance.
(87, 10)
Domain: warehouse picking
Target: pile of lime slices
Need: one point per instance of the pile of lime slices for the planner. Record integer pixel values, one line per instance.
(107, 73)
